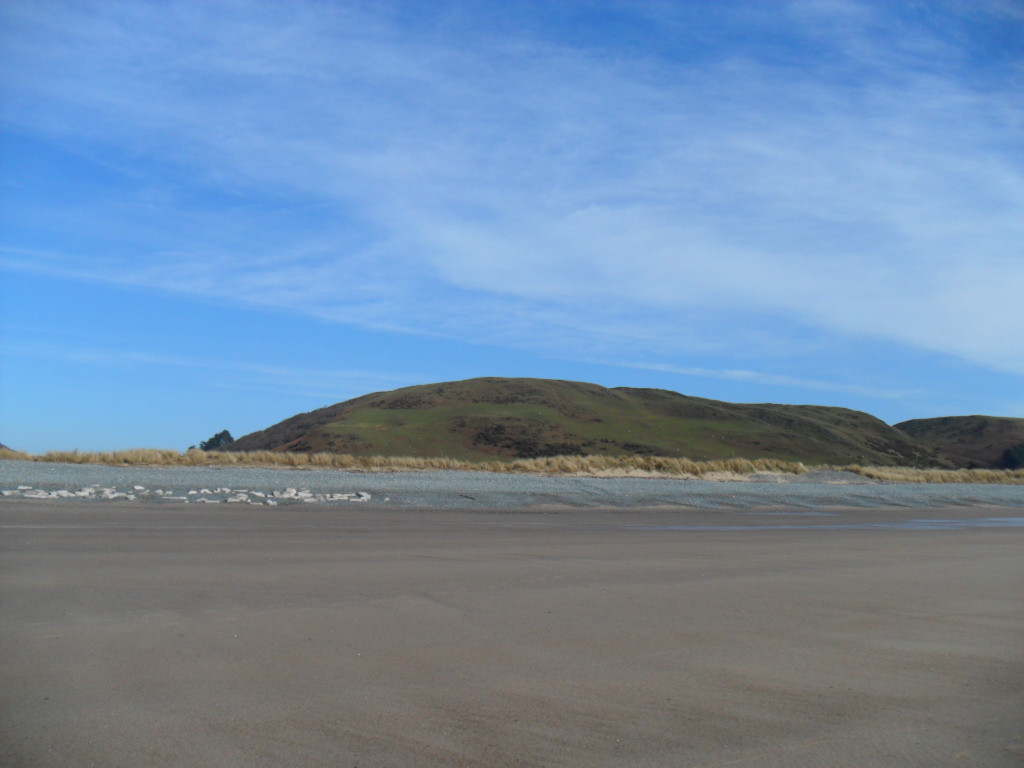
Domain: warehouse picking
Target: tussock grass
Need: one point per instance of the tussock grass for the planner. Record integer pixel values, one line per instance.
(554, 465)
(911, 475)
(133, 456)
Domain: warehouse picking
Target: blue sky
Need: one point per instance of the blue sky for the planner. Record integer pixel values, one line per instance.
(216, 215)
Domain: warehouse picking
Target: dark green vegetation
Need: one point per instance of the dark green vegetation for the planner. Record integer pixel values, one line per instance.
(216, 442)
(493, 418)
(972, 441)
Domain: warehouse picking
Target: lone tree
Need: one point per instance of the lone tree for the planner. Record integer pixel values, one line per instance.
(217, 441)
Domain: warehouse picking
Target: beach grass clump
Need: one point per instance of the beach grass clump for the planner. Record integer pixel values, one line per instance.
(916, 475)
(546, 465)
(608, 466)
(131, 457)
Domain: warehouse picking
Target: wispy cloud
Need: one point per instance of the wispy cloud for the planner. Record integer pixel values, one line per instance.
(454, 174)
(332, 384)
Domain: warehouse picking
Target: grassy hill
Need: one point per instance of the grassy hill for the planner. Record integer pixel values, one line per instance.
(489, 418)
(971, 441)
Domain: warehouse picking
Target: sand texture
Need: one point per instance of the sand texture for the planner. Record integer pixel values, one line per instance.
(141, 635)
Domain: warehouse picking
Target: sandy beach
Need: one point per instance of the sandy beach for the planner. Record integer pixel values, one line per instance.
(138, 635)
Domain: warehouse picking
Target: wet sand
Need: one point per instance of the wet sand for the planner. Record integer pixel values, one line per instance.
(138, 635)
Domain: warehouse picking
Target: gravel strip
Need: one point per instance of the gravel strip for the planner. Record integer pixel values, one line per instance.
(461, 490)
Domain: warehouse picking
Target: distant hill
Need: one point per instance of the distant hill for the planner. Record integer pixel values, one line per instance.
(971, 441)
(490, 418)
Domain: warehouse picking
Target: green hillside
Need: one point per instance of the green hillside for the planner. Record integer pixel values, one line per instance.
(972, 441)
(490, 418)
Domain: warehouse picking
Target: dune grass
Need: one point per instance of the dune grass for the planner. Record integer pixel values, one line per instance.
(555, 465)
(912, 475)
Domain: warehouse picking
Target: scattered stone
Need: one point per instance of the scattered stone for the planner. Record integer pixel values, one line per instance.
(238, 496)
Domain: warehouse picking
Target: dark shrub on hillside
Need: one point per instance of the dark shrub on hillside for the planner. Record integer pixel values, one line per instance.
(1013, 458)
(217, 441)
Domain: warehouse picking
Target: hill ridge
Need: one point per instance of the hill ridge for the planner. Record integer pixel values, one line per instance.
(971, 441)
(490, 418)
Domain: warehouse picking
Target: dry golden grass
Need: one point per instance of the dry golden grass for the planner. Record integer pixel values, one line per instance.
(911, 475)
(133, 456)
(554, 465)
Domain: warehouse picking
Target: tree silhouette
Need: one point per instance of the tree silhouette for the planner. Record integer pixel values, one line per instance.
(217, 441)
